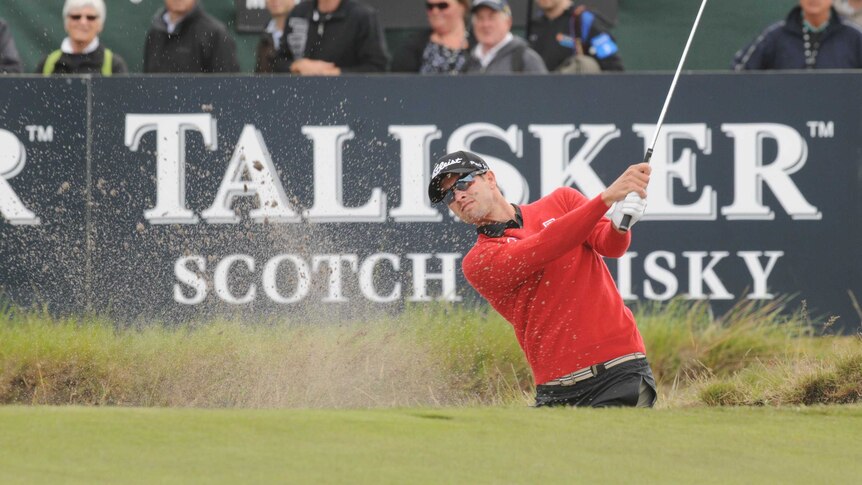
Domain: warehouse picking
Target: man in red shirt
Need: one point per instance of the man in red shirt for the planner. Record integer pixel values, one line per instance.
(540, 265)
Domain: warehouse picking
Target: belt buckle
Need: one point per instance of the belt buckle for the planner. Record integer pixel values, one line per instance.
(596, 368)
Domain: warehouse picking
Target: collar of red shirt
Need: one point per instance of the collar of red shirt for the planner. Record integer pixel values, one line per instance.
(496, 229)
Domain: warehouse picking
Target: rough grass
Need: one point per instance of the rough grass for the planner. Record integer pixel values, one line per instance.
(426, 356)
(807, 381)
(685, 342)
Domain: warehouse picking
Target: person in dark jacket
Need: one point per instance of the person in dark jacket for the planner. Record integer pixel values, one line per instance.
(331, 37)
(444, 48)
(813, 36)
(10, 61)
(267, 47)
(184, 38)
(81, 52)
(563, 29)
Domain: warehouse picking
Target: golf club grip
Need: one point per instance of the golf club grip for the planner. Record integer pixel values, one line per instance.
(627, 219)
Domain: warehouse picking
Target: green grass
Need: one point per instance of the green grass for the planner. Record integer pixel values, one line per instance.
(422, 445)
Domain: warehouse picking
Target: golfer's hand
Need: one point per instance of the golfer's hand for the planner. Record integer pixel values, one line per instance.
(633, 205)
(634, 179)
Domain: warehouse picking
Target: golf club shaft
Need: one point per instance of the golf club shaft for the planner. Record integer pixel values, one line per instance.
(626, 222)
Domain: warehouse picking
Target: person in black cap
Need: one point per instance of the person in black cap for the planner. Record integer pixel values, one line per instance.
(540, 265)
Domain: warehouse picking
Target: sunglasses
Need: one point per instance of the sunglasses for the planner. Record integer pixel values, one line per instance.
(77, 16)
(461, 185)
(429, 6)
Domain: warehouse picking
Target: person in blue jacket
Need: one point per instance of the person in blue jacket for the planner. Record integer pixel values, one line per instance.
(813, 36)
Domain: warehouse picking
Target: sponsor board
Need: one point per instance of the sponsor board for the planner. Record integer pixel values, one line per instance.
(43, 193)
(275, 194)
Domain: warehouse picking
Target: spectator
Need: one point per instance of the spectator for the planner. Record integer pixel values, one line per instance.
(271, 38)
(444, 47)
(564, 34)
(10, 61)
(330, 37)
(81, 52)
(498, 51)
(850, 10)
(184, 38)
(812, 37)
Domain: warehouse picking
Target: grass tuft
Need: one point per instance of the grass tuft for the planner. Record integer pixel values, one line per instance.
(722, 394)
(685, 342)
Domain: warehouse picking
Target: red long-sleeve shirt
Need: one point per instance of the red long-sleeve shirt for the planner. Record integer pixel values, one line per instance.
(549, 281)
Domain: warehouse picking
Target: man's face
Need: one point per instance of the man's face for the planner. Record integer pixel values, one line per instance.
(180, 7)
(473, 204)
(279, 7)
(815, 8)
(490, 26)
(548, 5)
(83, 24)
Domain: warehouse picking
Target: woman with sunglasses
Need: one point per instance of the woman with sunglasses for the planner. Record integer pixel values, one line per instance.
(81, 52)
(444, 47)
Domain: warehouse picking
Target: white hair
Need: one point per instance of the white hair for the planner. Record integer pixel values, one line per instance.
(99, 5)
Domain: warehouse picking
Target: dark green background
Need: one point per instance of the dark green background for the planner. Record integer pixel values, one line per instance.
(651, 33)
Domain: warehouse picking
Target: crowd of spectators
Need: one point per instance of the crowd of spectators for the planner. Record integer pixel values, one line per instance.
(331, 37)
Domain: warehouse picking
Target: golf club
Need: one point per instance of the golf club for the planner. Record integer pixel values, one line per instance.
(626, 222)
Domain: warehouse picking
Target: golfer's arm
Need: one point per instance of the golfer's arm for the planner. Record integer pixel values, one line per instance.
(608, 241)
(561, 236)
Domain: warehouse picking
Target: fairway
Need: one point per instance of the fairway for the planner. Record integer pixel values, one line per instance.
(450, 445)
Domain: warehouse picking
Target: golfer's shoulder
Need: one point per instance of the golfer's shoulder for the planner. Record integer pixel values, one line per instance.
(483, 254)
(472, 262)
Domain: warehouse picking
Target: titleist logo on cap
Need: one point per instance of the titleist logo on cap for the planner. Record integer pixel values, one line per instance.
(448, 163)
(453, 161)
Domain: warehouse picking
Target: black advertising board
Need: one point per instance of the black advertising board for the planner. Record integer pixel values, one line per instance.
(286, 195)
(43, 192)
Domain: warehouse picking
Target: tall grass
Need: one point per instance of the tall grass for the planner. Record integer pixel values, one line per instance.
(428, 356)
(685, 341)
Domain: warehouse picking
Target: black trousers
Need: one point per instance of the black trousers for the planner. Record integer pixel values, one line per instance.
(628, 384)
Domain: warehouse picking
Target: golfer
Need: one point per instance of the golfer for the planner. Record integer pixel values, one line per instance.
(540, 265)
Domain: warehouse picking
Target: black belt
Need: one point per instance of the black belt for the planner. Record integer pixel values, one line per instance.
(593, 370)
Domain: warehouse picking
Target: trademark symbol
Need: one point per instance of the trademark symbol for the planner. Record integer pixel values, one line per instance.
(44, 134)
(821, 129)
